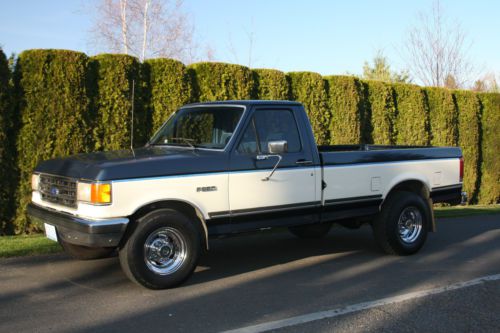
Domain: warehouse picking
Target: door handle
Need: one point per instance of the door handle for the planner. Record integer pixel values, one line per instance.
(304, 162)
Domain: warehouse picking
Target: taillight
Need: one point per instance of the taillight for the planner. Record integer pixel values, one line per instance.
(461, 169)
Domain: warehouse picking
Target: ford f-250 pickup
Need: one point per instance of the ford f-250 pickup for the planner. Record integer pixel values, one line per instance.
(223, 168)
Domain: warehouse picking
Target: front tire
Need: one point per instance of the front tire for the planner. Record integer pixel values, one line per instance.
(402, 225)
(163, 250)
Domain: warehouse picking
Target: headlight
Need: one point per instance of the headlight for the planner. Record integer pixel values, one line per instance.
(35, 181)
(94, 193)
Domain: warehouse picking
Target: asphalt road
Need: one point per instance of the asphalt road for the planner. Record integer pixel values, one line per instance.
(266, 277)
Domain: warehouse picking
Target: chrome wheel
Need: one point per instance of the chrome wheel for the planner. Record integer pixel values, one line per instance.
(165, 250)
(410, 224)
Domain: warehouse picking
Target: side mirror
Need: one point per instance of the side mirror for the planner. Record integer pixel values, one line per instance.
(277, 147)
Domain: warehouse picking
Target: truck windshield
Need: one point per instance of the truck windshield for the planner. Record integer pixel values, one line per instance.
(208, 127)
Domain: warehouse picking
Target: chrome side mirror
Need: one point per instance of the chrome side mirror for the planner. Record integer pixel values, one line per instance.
(277, 147)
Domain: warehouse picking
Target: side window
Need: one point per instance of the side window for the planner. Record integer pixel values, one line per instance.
(276, 125)
(248, 144)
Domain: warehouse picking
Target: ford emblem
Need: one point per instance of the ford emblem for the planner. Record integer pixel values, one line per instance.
(54, 191)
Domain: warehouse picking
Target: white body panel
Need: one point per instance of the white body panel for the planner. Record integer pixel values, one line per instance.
(246, 190)
(130, 195)
(357, 180)
(287, 186)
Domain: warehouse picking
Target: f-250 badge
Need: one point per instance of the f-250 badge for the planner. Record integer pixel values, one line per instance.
(206, 189)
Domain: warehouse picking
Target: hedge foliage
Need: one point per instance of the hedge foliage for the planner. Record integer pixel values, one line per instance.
(218, 81)
(7, 147)
(346, 105)
(381, 110)
(54, 114)
(310, 89)
(443, 117)
(412, 115)
(59, 103)
(111, 77)
(469, 139)
(489, 192)
(271, 84)
(169, 86)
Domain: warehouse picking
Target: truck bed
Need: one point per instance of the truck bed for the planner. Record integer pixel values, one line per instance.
(356, 154)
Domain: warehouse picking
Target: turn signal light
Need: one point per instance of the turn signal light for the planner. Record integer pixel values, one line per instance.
(100, 193)
(95, 193)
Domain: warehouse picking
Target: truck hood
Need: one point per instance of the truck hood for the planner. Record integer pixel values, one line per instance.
(141, 163)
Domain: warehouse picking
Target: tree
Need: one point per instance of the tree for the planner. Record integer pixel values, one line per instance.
(436, 50)
(381, 71)
(144, 28)
(487, 83)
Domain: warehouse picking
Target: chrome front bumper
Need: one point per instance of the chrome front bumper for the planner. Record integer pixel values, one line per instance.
(80, 231)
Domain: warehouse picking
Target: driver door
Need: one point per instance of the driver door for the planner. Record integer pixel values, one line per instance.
(289, 196)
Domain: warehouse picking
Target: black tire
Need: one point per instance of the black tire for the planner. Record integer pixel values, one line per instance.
(86, 253)
(311, 231)
(396, 228)
(172, 237)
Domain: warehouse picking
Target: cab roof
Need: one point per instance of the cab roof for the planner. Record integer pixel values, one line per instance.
(247, 103)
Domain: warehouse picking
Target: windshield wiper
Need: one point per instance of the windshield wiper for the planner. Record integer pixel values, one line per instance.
(186, 141)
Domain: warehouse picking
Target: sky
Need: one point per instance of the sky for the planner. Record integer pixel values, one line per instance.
(328, 37)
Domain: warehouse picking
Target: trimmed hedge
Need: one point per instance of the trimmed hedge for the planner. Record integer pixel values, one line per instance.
(112, 76)
(169, 86)
(443, 117)
(489, 191)
(53, 107)
(412, 115)
(381, 107)
(345, 102)
(271, 84)
(7, 147)
(310, 89)
(62, 103)
(469, 139)
(215, 81)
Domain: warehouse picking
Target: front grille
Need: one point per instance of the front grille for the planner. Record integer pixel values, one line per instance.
(58, 190)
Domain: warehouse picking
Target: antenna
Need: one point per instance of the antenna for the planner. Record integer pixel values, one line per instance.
(132, 121)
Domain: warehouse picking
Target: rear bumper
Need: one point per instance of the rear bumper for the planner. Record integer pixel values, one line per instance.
(80, 231)
(449, 194)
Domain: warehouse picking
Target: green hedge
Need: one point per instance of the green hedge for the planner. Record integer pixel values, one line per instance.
(381, 110)
(216, 81)
(53, 107)
(412, 115)
(489, 192)
(7, 147)
(443, 117)
(469, 139)
(62, 103)
(111, 77)
(271, 84)
(310, 89)
(169, 86)
(346, 105)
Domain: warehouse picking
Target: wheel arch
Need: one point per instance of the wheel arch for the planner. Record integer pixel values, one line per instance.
(186, 208)
(418, 186)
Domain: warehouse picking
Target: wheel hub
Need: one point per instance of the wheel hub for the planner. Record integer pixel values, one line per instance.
(165, 250)
(410, 224)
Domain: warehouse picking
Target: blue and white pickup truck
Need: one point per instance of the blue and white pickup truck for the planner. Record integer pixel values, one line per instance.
(223, 168)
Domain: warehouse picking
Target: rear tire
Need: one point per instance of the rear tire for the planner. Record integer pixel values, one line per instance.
(401, 227)
(81, 252)
(311, 231)
(163, 250)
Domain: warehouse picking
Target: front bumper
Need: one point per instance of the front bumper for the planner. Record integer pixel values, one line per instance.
(80, 231)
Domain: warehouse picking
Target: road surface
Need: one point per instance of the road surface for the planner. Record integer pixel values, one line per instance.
(276, 281)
